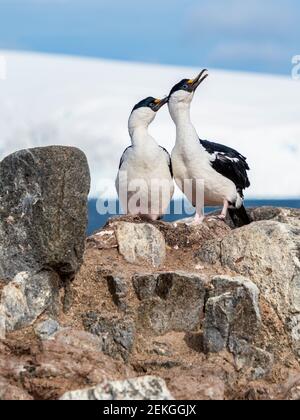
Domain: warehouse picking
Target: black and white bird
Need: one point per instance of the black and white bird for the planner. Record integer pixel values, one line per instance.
(222, 169)
(145, 181)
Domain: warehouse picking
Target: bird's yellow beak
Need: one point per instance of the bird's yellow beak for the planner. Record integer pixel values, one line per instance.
(198, 80)
(160, 103)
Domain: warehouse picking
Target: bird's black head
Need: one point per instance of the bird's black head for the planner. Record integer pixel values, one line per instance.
(152, 103)
(190, 85)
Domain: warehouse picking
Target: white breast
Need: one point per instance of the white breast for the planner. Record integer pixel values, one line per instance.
(144, 182)
(191, 162)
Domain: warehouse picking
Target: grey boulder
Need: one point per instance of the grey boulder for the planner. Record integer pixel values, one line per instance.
(231, 314)
(43, 212)
(170, 301)
(43, 220)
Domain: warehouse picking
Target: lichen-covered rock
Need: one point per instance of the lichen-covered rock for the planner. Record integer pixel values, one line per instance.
(248, 358)
(25, 298)
(143, 388)
(231, 314)
(268, 253)
(118, 289)
(46, 329)
(116, 334)
(43, 212)
(140, 242)
(171, 301)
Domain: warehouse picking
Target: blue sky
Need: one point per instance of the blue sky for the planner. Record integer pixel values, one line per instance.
(251, 35)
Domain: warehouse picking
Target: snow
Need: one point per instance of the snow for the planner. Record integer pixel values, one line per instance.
(48, 99)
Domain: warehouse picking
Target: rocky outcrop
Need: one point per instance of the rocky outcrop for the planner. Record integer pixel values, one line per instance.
(210, 311)
(43, 219)
(268, 253)
(144, 388)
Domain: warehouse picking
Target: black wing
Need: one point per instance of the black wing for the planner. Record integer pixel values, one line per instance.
(169, 158)
(123, 155)
(229, 163)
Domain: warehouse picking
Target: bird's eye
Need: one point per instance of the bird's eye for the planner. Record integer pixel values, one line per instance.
(185, 86)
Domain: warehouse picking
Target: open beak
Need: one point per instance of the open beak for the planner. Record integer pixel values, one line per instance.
(194, 83)
(159, 103)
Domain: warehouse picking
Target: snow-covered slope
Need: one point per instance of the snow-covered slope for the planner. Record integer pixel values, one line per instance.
(86, 103)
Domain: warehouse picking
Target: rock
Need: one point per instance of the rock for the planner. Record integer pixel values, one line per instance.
(142, 388)
(81, 340)
(231, 314)
(10, 392)
(43, 212)
(256, 361)
(197, 382)
(140, 243)
(104, 239)
(144, 285)
(171, 301)
(46, 329)
(278, 214)
(72, 359)
(25, 298)
(116, 334)
(268, 253)
(118, 289)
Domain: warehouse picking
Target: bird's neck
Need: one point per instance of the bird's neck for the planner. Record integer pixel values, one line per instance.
(186, 133)
(140, 137)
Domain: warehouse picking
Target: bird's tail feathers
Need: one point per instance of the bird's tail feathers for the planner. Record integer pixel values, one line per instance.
(239, 216)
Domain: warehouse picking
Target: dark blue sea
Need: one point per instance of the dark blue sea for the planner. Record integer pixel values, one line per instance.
(97, 220)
